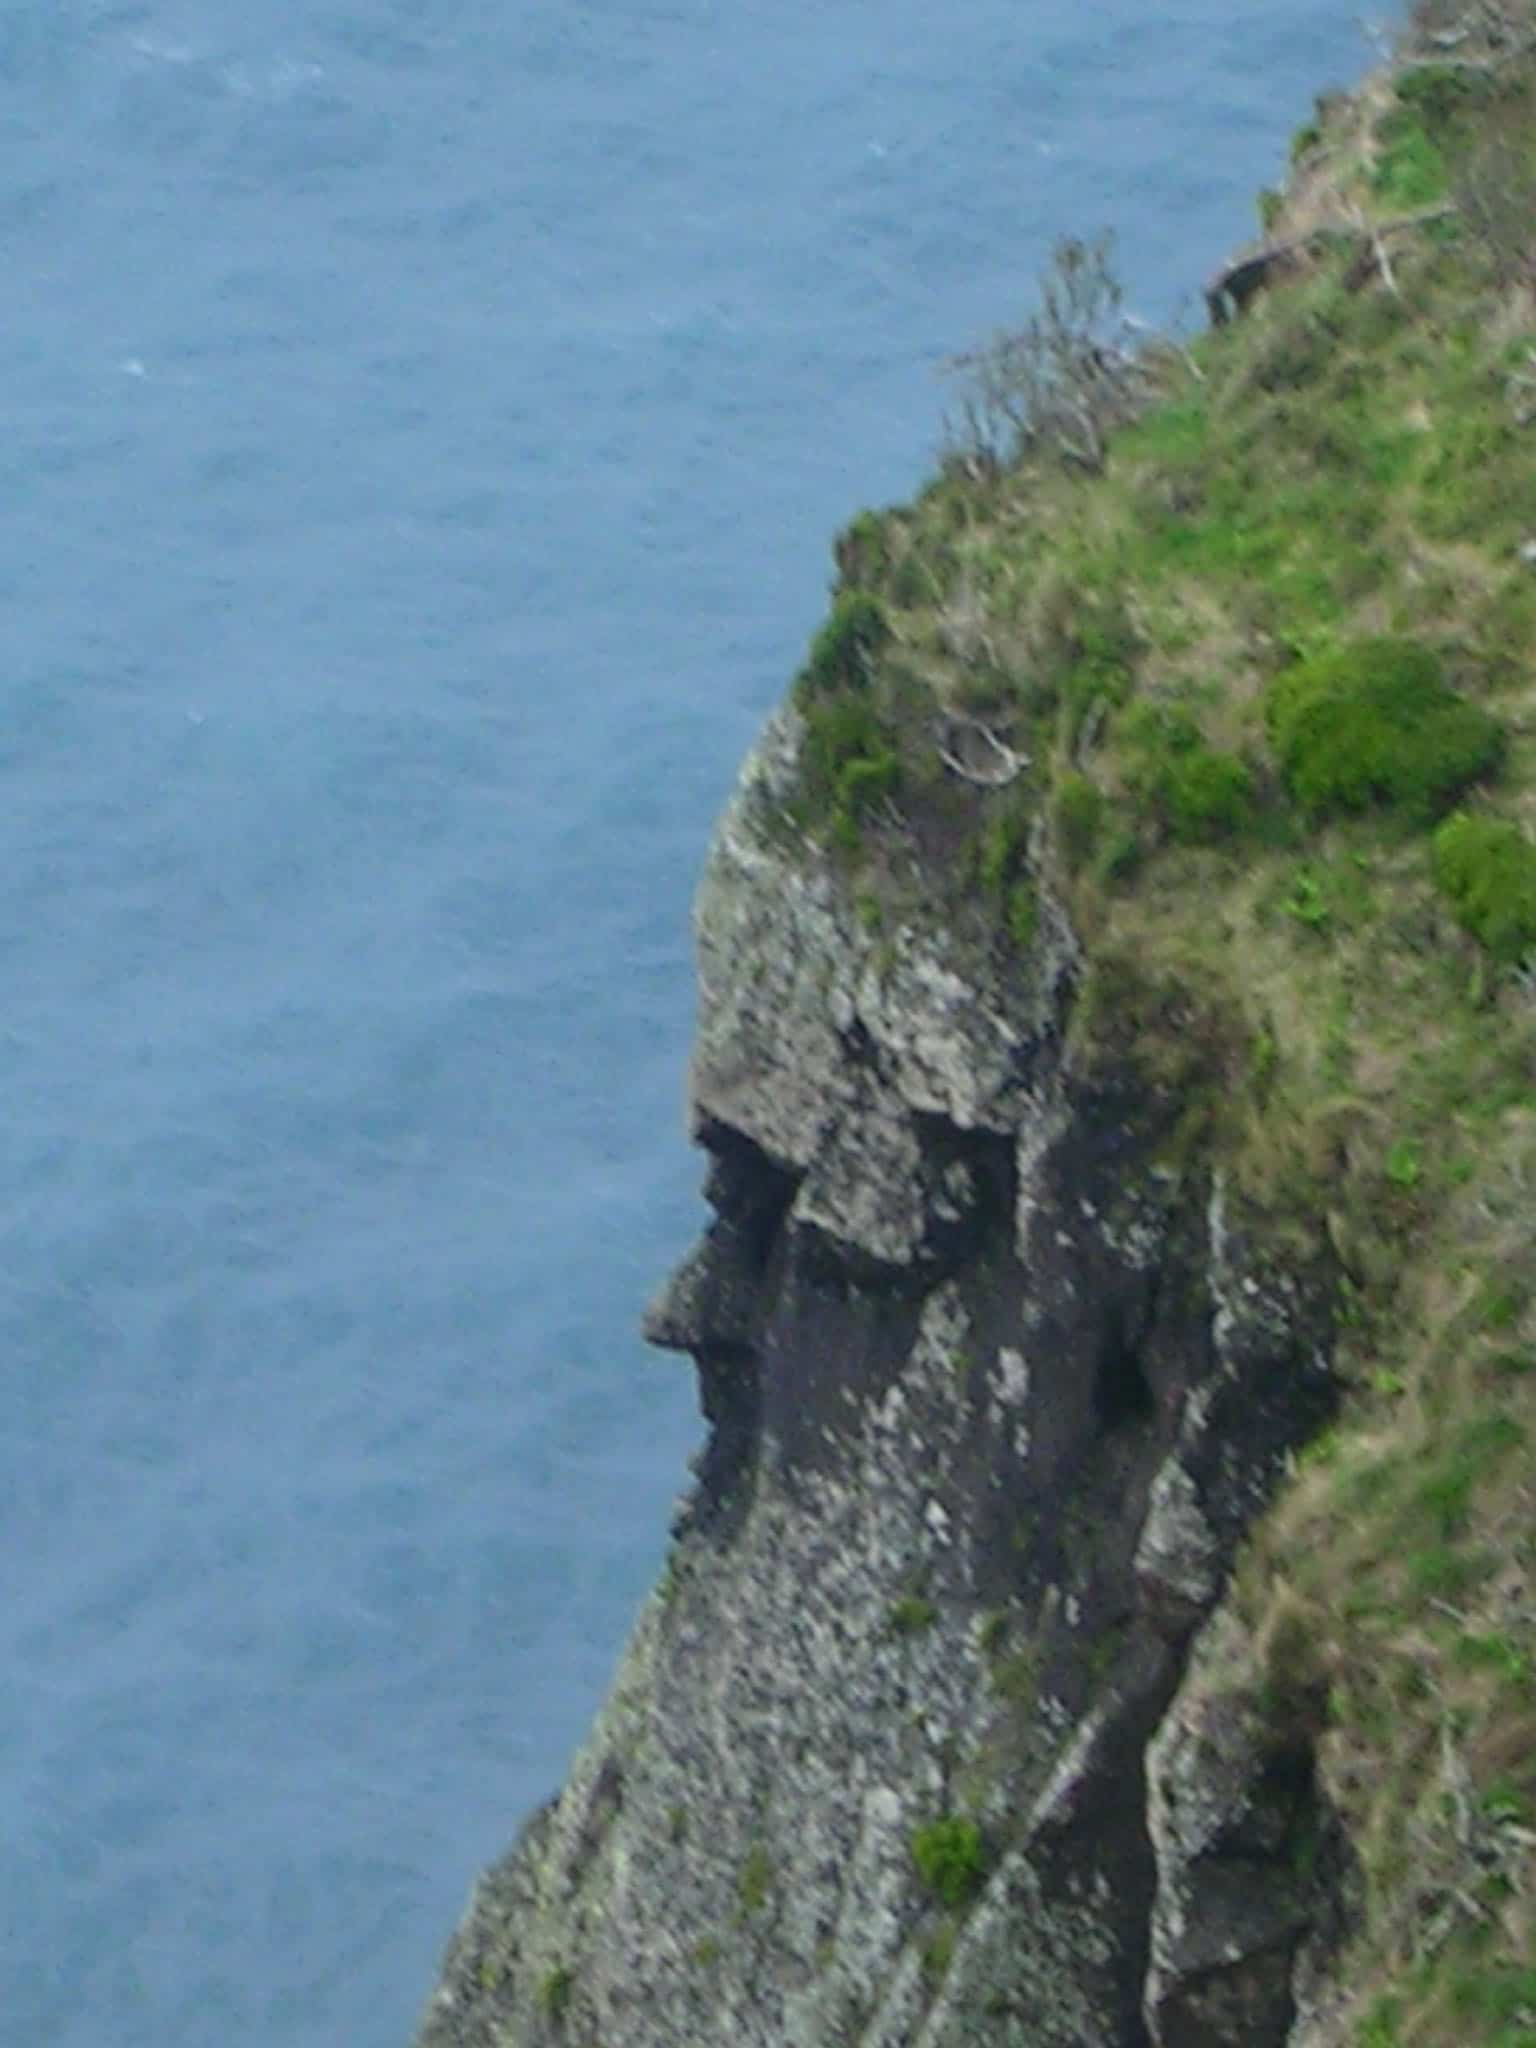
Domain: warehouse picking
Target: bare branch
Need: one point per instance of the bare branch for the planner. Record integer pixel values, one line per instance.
(1059, 384)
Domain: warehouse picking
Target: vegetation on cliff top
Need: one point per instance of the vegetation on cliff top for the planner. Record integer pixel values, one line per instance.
(1230, 650)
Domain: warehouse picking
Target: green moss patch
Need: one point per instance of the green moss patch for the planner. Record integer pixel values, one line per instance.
(1487, 868)
(950, 1858)
(1373, 725)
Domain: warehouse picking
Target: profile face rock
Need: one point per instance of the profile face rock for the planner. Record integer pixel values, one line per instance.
(989, 1395)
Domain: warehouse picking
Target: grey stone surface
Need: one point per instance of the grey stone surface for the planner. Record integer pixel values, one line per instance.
(1247, 1855)
(992, 1395)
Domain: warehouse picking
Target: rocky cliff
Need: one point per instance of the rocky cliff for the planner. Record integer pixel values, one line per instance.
(995, 1380)
(1106, 1609)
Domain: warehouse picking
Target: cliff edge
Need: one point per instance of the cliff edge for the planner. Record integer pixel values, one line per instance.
(993, 1385)
(1101, 1615)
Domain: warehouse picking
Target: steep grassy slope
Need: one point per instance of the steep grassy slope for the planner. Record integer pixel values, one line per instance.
(1232, 650)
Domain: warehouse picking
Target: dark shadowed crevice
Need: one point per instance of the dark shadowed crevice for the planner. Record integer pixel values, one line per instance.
(746, 1187)
(1122, 1393)
(731, 1397)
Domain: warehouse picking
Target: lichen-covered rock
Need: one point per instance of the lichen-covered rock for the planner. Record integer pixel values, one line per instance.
(1249, 1857)
(1178, 1559)
(993, 1391)
(797, 1003)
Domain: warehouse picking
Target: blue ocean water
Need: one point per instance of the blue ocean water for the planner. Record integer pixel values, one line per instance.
(423, 421)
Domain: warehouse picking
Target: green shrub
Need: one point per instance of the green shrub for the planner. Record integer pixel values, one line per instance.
(842, 730)
(1079, 814)
(1122, 856)
(1004, 848)
(1023, 914)
(912, 1614)
(862, 782)
(850, 762)
(1153, 734)
(1437, 92)
(1373, 723)
(950, 1858)
(1410, 170)
(555, 1988)
(1196, 792)
(1404, 1164)
(860, 550)
(1001, 856)
(844, 651)
(1208, 796)
(1100, 654)
(1487, 867)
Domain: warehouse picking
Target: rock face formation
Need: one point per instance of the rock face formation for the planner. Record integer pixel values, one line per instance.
(937, 1730)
